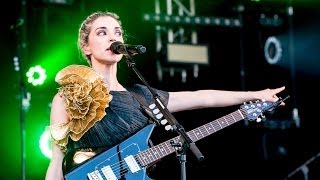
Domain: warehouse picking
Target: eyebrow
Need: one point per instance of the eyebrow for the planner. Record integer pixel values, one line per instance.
(103, 27)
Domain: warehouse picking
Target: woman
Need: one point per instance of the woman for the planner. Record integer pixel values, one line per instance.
(92, 111)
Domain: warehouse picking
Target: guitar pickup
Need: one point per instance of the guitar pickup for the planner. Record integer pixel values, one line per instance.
(108, 173)
(95, 175)
(132, 164)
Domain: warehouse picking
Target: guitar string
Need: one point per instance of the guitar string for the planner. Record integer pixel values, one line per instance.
(216, 125)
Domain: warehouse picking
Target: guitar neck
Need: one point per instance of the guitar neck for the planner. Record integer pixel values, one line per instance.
(163, 149)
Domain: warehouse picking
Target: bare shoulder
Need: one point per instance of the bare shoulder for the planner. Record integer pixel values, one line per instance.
(58, 112)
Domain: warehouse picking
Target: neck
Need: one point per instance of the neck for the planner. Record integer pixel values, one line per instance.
(109, 74)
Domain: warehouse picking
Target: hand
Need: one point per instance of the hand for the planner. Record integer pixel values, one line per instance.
(270, 94)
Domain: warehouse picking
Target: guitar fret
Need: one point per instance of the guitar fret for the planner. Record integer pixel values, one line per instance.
(155, 153)
(223, 122)
(151, 155)
(161, 149)
(210, 128)
(238, 116)
(203, 131)
(195, 134)
(217, 125)
(168, 146)
(233, 117)
(192, 135)
(140, 160)
(205, 127)
(240, 113)
(147, 155)
(200, 132)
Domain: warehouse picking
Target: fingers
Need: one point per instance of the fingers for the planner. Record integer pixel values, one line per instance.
(277, 90)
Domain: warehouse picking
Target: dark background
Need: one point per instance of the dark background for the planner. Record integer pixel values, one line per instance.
(246, 150)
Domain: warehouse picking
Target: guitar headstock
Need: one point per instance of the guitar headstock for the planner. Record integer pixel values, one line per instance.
(255, 110)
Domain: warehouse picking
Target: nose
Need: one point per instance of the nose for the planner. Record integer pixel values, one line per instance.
(112, 38)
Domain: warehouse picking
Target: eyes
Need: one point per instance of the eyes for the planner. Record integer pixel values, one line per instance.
(104, 32)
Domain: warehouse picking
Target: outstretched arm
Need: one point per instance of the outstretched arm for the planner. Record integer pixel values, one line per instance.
(187, 100)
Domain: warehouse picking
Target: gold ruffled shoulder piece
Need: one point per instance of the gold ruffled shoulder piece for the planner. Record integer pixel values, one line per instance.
(58, 133)
(84, 72)
(86, 97)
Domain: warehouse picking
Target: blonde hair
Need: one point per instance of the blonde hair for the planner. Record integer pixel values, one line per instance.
(85, 29)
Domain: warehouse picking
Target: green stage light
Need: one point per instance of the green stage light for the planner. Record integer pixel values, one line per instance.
(45, 144)
(36, 75)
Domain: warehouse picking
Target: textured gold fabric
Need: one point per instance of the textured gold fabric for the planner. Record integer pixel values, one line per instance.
(86, 97)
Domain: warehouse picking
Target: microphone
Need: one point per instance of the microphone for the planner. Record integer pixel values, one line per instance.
(127, 49)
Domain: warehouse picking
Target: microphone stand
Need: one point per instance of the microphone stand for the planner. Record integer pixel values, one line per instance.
(185, 141)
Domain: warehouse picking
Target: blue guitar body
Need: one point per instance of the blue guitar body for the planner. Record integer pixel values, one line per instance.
(111, 165)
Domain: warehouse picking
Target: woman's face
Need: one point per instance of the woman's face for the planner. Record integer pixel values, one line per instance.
(104, 31)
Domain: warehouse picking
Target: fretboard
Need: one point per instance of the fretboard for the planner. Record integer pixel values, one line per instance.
(163, 149)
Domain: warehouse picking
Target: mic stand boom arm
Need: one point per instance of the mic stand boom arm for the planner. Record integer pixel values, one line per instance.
(185, 139)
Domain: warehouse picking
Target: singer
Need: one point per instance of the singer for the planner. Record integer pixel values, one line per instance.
(92, 112)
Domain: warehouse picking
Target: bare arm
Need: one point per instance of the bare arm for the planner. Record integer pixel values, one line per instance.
(187, 100)
(54, 171)
(58, 115)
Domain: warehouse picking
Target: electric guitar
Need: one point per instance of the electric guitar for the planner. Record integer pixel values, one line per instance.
(130, 159)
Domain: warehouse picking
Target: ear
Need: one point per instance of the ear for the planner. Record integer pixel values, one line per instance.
(86, 50)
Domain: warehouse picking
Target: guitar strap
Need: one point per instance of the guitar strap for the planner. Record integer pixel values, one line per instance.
(144, 105)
